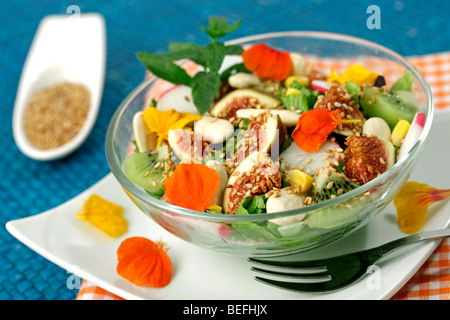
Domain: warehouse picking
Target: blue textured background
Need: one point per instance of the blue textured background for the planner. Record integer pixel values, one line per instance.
(28, 187)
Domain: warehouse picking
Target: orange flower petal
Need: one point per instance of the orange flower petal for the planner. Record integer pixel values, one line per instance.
(192, 186)
(267, 62)
(314, 127)
(144, 262)
(253, 57)
(412, 203)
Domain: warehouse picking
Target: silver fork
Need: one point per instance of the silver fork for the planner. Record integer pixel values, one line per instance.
(334, 273)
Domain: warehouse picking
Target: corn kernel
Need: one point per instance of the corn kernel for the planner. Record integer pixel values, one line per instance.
(399, 132)
(299, 179)
(291, 91)
(300, 79)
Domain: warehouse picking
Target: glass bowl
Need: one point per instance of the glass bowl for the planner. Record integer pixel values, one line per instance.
(322, 223)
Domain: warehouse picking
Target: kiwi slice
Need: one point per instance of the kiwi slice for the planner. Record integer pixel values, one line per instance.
(146, 169)
(390, 107)
(326, 186)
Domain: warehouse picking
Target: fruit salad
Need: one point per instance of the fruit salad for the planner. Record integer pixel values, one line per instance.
(267, 133)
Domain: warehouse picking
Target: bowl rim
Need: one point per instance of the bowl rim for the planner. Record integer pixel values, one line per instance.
(139, 193)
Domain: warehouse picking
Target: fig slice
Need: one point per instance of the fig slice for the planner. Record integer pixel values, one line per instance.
(186, 145)
(367, 157)
(256, 175)
(243, 99)
(265, 133)
(337, 98)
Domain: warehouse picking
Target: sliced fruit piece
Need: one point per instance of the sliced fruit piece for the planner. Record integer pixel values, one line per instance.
(145, 140)
(327, 186)
(148, 169)
(213, 130)
(265, 134)
(186, 145)
(178, 98)
(243, 99)
(223, 175)
(288, 118)
(337, 98)
(367, 157)
(256, 175)
(294, 157)
(391, 107)
(412, 135)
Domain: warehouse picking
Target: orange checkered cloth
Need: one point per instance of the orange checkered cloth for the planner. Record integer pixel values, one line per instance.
(432, 280)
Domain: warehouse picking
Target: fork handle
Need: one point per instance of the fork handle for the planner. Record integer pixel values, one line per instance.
(430, 235)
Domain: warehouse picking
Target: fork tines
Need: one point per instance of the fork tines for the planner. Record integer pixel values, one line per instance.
(293, 271)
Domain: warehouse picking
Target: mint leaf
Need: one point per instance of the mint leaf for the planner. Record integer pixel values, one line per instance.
(189, 51)
(164, 68)
(234, 50)
(214, 55)
(204, 89)
(218, 27)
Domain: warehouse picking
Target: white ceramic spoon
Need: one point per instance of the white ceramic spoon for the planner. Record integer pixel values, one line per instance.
(66, 48)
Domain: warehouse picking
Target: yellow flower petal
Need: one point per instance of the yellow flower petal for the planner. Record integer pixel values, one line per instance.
(355, 73)
(412, 203)
(104, 215)
(161, 122)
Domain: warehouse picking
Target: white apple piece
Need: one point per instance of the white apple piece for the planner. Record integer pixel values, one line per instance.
(178, 98)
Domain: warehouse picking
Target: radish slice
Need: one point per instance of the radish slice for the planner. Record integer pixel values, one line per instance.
(320, 85)
(412, 136)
